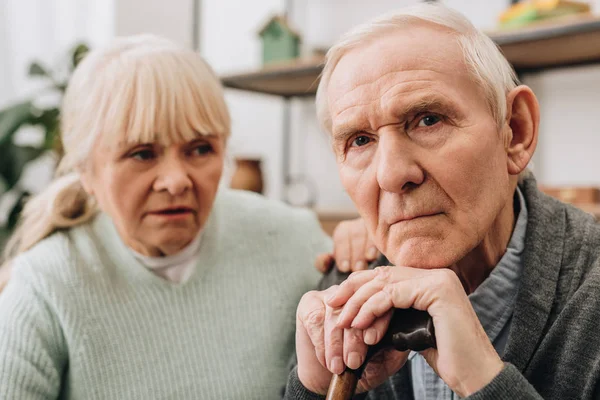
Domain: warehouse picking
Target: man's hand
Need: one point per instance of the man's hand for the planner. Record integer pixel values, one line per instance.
(353, 249)
(320, 347)
(465, 359)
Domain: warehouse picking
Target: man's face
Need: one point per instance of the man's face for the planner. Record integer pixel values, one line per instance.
(417, 147)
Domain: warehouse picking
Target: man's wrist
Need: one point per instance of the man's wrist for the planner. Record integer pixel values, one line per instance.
(480, 378)
(310, 383)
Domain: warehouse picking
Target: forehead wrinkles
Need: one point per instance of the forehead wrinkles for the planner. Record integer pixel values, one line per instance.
(422, 49)
(370, 93)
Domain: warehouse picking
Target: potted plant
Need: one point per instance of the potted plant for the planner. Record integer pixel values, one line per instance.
(15, 156)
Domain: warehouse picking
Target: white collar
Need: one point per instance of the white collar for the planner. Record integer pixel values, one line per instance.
(185, 255)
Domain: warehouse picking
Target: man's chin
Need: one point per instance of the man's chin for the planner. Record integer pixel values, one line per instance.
(422, 253)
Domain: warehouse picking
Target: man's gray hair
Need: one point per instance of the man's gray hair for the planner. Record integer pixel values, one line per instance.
(484, 60)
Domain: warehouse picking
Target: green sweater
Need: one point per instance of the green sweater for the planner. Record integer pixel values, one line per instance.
(82, 319)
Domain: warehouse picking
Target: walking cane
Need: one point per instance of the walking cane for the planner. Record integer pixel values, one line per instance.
(409, 329)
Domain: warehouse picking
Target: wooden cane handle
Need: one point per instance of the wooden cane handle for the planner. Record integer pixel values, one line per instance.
(342, 387)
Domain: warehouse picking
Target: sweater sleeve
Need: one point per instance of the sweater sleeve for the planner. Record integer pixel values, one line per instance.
(508, 384)
(295, 390)
(31, 361)
(318, 242)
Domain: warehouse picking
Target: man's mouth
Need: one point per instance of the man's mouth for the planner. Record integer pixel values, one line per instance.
(414, 217)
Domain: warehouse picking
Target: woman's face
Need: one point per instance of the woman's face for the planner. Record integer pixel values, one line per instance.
(159, 197)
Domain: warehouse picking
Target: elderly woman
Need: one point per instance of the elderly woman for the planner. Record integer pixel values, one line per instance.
(133, 275)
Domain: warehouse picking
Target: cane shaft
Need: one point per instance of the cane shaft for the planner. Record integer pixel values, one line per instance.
(342, 387)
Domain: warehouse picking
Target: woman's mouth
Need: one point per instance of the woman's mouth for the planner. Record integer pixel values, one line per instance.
(173, 213)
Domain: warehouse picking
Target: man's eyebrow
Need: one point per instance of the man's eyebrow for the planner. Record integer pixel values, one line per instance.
(345, 132)
(403, 111)
(432, 103)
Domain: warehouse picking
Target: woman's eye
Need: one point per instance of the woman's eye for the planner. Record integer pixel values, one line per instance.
(361, 141)
(429, 120)
(202, 149)
(143, 155)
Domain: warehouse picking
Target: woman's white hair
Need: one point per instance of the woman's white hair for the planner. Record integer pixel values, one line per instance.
(138, 89)
(486, 63)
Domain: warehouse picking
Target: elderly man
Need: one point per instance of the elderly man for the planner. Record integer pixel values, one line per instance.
(432, 135)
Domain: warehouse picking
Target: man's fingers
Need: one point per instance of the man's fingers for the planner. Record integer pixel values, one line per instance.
(356, 303)
(373, 334)
(334, 341)
(376, 306)
(355, 348)
(311, 315)
(349, 287)
(384, 364)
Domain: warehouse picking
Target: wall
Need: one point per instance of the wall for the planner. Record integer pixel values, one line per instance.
(45, 30)
(568, 97)
(172, 19)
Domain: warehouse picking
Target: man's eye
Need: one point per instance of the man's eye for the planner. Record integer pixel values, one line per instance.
(429, 120)
(143, 155)
(361, 141)
(202, 149)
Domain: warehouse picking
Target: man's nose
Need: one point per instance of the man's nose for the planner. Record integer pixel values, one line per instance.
(173, 176)
(397, 167)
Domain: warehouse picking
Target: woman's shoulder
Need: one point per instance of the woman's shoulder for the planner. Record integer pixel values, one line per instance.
(61, 257)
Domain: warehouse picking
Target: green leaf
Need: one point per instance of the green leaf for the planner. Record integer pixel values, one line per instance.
(49, 119)
(36, 69)
(4, 236)
(79, 52)
(13, 160)
(12, 118)
(15, 213)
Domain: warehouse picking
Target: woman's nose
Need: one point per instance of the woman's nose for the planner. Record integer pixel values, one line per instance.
(173, 177)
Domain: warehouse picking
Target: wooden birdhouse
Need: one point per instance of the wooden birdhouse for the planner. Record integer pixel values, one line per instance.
(279, 41)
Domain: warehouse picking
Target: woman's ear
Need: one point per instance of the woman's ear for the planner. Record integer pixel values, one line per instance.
(522, 125)
(85, 178)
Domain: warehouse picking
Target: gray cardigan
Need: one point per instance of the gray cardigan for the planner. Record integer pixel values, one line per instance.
(553, 349)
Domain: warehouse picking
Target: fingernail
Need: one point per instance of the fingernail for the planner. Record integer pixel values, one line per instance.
(341, 317)
(337, 365)
(370, 336)
(354, 360)
(345, 266)
(361, 265)
(372, 252)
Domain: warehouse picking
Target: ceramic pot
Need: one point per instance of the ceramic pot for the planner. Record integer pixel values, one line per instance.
(248, 175)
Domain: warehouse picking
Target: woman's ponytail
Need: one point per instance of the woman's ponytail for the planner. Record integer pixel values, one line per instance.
(63, 204)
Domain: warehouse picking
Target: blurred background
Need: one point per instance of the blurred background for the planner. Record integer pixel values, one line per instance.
(268, 53)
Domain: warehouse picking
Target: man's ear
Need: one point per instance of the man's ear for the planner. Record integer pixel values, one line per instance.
(521, 129)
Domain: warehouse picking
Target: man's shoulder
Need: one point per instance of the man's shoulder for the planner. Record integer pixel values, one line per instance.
(581, 242)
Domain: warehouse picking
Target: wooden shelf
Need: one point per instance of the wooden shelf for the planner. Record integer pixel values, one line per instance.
(570, 41)
(292, 79)
(593, 209)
